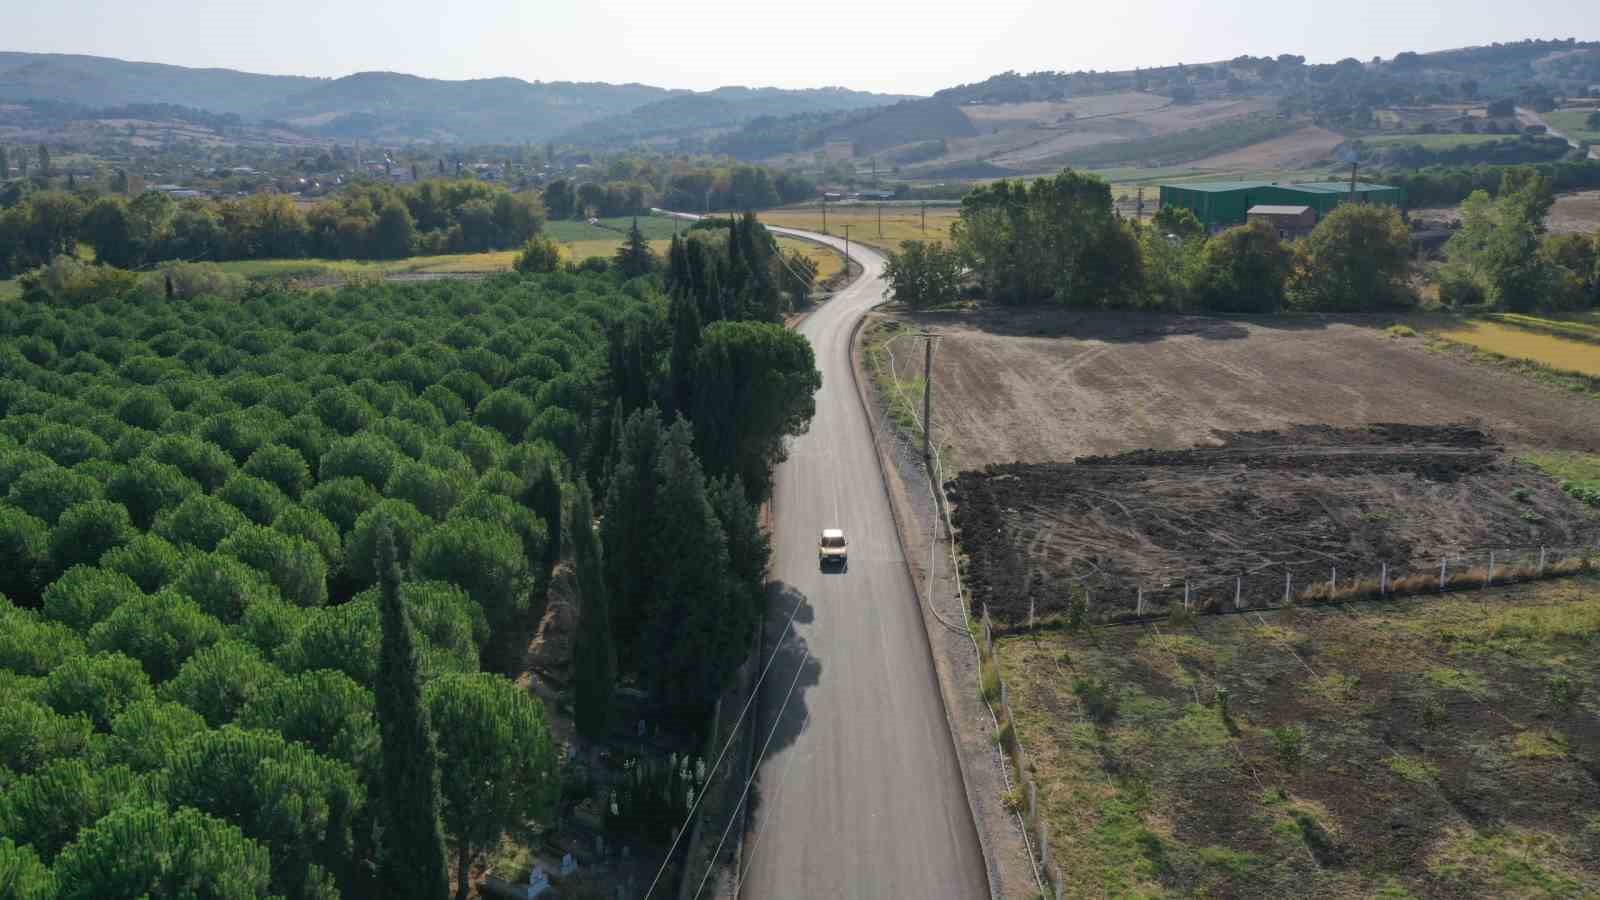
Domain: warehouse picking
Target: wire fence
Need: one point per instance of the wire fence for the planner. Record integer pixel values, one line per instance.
(1024, 600)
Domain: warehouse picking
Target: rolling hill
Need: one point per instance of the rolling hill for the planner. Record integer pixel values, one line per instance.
(395, 106)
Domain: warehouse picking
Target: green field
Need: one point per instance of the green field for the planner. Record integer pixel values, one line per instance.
(1573, 124)
(1433, 141)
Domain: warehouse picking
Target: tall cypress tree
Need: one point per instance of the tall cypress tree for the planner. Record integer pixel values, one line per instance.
(595, 656)
(626, 530)
(685, 316)
(412, 860)
(5, 165)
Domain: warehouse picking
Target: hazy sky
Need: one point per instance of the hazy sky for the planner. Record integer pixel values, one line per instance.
(883, 45)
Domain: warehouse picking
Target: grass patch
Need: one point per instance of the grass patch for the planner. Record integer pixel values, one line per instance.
(1561, 353)
(900, 223)
(1432, 141)
(1574, 123)
(1578, 473)
(1182, 146)
(1167, 798)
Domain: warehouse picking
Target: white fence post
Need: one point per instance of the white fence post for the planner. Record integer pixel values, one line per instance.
(1333, 581)
(1383, 581)
(1238, 590)
(1541, 560)
(1288, 581)
(1443, 566)
(1186, 593)
(1044, 845)
(1138, 604)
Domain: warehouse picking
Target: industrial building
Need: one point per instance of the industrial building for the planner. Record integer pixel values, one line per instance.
(1220, 204)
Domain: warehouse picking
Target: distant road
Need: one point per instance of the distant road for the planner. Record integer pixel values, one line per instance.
(860, 793)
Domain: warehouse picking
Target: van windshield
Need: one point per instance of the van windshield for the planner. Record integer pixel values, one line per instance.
(833, 542)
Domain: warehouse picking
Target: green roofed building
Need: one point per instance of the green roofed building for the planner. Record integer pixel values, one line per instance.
(1219, 204)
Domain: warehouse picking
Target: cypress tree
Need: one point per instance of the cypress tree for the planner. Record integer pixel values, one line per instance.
(693, 637)
(595, 656)
(685, 345)
(412, 862)
(5, 165)
(626, 530)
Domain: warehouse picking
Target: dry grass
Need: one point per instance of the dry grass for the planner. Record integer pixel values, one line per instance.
(900, 223)
(1386, 749)
(1521, 343)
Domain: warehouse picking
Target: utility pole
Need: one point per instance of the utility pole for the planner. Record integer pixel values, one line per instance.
(1353, 182)
(927, 403)
(1138, 213)
(824, 213)
(924, 217)
(847, 249)
(880, 219)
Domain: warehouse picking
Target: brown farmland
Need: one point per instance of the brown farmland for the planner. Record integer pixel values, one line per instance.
(1251, 494)
(1266, 517)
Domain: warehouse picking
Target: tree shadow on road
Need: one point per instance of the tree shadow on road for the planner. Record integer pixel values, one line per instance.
(783, 712)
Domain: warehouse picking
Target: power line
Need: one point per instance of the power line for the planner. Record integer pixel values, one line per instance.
(755, 691)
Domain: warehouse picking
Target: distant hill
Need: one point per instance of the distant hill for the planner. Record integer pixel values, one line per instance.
(393, 106)
(685, 116)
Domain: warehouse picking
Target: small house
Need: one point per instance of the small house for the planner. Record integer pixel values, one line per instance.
(1290, 221)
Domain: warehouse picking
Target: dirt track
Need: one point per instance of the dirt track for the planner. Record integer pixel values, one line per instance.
(1051, 386)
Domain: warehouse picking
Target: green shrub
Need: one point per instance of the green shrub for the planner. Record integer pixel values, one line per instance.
(144, 408)
(223, 586)
(405, 523)
(1099, 698)
(428, 489)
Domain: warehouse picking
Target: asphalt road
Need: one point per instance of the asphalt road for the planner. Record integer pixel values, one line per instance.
(859, 793)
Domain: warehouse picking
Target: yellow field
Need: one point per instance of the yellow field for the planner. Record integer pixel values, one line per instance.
(900, 223)
(1546, 349)
(829, 262)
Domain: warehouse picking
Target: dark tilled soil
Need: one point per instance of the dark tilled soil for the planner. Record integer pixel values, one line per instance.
(1231, 518)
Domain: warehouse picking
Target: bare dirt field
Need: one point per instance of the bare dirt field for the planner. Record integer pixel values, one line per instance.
(1438, 749)
(1575, 213)
(1267, 517)
(1303, 147)
(1051, 385)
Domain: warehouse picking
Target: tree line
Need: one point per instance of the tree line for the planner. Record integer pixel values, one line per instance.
(1060, 241)
(696, 189)
(1447, 186)
(262, 559)
(365, 222)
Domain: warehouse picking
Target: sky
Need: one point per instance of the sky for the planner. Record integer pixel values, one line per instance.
(891, 46)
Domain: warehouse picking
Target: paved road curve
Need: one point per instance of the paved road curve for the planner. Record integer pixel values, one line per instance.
(860, 792)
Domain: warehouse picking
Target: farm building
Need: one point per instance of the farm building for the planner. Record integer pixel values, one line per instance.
(1291, 221)
(1219, 204)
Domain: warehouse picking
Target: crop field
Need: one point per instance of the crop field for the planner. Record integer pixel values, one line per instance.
(1577, 212)
(1540, 341)
(1573, 123)
(1438, 748)
(1264, 518)
(1433, 141)
(1181, 146)
(900, 222)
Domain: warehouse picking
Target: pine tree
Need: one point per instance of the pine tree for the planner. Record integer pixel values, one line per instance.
(413, 858)
(635, 258)
(595, 656)
(44, 161)
(5, 165)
